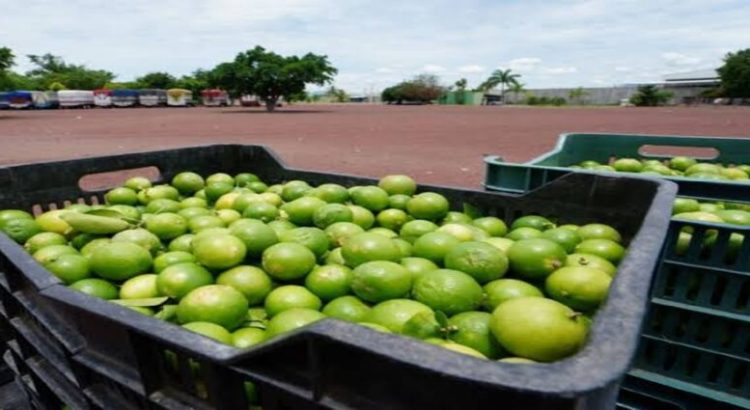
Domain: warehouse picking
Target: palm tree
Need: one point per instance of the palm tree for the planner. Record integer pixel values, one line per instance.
(577, 94)
(501, 78)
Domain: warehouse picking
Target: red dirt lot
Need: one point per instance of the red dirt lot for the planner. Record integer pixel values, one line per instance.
(434, 144)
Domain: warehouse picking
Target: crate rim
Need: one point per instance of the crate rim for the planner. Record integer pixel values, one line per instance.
(587, 362)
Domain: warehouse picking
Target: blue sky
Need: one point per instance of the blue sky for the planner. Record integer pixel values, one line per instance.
(377, 43)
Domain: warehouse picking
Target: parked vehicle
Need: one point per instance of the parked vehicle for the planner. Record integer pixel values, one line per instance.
(124, 98)
(20, 100)
(4, 102)
(45, 99)
(76, 98)
(179, 97)
(103, 98)
(215, 98)
(152, 97)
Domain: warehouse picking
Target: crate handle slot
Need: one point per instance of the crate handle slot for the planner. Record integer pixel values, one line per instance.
(668, 151)
(105, 180)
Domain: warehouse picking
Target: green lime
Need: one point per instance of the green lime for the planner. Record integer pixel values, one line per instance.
(454, 217)
(171, 258)
(500, 243)
(217, 304)
(492, 225)
(349, 308)
(599, 231)
(503, 290)
(291, 319)
(220, 177)
(251, 281)
(383, 232)
(592, 261)
(247, 337)
(412, 230)
(394, 313)
(340, 231)
(463, 232)
(332, 213)
(564, 237)
(256, 236)
(302, 210)
(449, 291)
(289, 297)
(535, 258)
(140, 237)
(332, 193)
(162, 205)
(120, 260)
(428, 205)
(99, 288)
(88, 249)
(581, 288)
(313, 238)
(140, 287)
(434, 246)
(375, 327)
(472, 329)
(371, 198)
(202, 222)
(52, 252)
(262, 211)
(329, 281)
(392, 219)
(215, 190)
(188, 183)
(334, 257)
(69, 268)
(288, 261)
(50, 221)
(418, 266)
(522, 233)
(178, 280)
(404, 247)
(122, 195)
(532, 221)
(192, 212)
(42, 240)
(210, 330)
(10, 214)
(244, 178)
(377, 281)
(137, 183)
(167, 225)
(539, 329)
(362, 216)
(21, 229)
(609, 250)
(219, 251)
(463, 349)
(182, 243)
(398, 185)
(365, 247)
(482, 261)
(398, 201)
(293, 190)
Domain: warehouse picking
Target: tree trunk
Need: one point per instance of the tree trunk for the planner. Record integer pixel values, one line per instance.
(502, 93)
(271, 104)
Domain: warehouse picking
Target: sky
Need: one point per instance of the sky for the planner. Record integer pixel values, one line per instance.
(374, 44)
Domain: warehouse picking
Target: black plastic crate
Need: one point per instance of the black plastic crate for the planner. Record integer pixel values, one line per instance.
(331, 363)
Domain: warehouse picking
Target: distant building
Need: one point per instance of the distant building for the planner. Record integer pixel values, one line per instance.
(688, 87)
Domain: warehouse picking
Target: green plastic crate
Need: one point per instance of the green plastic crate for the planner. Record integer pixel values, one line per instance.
(574, 148)
(695, 342)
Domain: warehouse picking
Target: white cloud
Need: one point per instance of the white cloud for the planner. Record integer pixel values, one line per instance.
(471, 69)
(678, 59)
(623, 69)
(384, 70)
(523, 63)
(433, 68)
(560, 70)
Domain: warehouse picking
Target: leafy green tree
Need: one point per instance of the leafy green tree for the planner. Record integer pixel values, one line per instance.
(337, 95)
(422, 89)
(461, 84)
(578, 95)
(502, 78)
(53, 69)
(271, 76)
(735, 74)
(157, 80)
(7, 59)
(650, 96)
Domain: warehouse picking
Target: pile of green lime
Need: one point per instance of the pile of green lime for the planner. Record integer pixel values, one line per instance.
(717, 212)
(242, 262)
(680, 166)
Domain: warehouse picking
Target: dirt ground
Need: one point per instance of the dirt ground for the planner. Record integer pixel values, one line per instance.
(435, 144)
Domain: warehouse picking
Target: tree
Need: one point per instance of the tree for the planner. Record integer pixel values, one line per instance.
(271, 76)
(7, 59)
(502, 78)
(578, 95)
(517, 88)
(52, 69)
(650, 96)
(157, 80)
(461, 84)
(422, 89)
(337, 95)
(735, 74)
